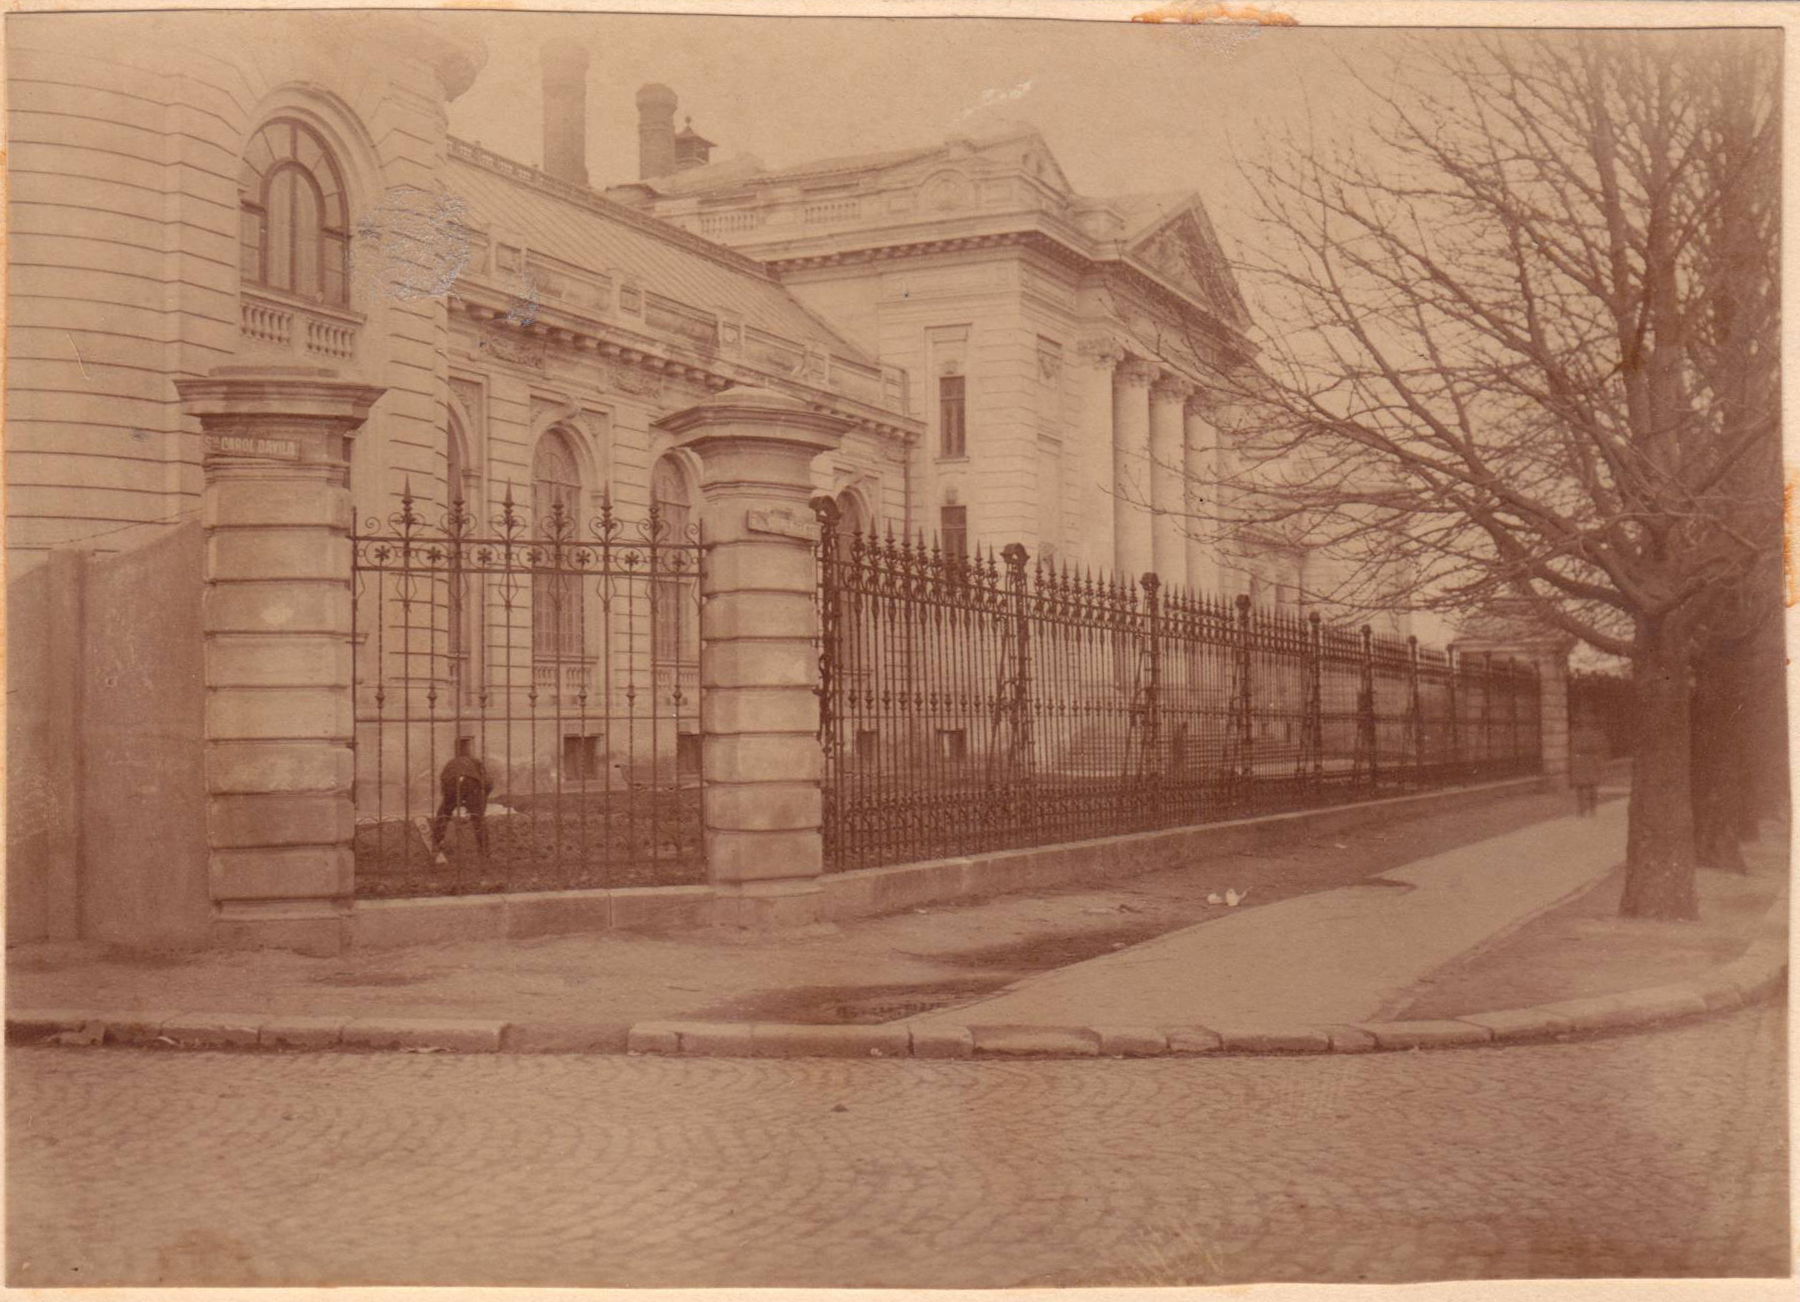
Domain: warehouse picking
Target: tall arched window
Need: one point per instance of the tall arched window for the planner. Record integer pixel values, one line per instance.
(672, 628)
(294, 220)
(556, 594)
(852, 520)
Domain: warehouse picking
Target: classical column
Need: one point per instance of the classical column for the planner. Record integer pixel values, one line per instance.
(1095, 359)
(1168, 466)
(759, 674)
(1200, 458)
(1133, 550)
(276, 613)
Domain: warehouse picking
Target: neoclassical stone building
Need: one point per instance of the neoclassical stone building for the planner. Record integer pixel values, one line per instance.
(1056, 343)
(264, 308)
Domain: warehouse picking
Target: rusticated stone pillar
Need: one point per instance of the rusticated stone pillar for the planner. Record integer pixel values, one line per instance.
(276, 509)
(759, 676)
(1549, 655)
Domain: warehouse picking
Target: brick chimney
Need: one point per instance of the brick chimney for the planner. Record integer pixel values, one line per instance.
(565, 111)
(656, 130)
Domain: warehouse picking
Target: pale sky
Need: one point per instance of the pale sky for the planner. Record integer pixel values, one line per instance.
(1124, 107)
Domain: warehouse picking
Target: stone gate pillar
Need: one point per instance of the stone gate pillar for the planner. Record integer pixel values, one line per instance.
(1549, 655)
(759, 676)
(276, 510)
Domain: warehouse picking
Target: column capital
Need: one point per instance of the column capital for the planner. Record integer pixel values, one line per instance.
(1137, 372)
(1168, 385)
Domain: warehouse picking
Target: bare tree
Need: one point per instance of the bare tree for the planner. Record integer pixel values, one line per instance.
(1518, 351)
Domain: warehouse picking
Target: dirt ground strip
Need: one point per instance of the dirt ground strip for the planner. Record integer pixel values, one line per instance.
(1584, 948)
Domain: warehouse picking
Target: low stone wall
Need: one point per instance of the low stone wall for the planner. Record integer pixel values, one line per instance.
(872, 891)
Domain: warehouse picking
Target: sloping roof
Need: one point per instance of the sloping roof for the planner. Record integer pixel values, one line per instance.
(602, 236)
(1143, 213)
(742, 171)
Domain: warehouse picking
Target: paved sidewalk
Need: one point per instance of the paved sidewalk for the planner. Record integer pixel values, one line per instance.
(1341, 956)
(1328, 972)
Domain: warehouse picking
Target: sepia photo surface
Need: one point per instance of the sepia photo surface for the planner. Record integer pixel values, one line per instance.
(736, 650)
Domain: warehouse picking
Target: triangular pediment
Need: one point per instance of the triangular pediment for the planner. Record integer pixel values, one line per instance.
(1185, 252)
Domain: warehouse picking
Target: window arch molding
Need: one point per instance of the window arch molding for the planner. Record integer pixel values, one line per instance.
(344, 139)
(674, 470)
(586, 432)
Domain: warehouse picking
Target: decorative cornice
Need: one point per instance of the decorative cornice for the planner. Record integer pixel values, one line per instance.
(641, 366)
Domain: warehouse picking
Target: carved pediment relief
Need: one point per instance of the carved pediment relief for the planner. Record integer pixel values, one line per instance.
(1185, 252)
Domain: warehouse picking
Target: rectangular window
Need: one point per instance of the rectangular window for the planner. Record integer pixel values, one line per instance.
(952, 438)
(953, 744)
(865, 747)
(953, 530)
(687, 754)
(581, 758)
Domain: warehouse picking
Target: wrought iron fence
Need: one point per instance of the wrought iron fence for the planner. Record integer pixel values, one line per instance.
(980, 703)
(563, 658)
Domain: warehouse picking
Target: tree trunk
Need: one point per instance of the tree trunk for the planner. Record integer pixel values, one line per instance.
(1720, 756)
(1659, 846)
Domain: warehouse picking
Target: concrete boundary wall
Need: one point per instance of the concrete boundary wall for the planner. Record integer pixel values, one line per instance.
(105, 786)
(871, 891)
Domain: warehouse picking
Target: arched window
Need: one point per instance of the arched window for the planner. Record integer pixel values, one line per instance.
(852, 520)
(556, 594)
(294, 219)
(673, 620)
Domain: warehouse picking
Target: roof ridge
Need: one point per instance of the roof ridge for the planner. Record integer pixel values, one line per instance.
(513, 170)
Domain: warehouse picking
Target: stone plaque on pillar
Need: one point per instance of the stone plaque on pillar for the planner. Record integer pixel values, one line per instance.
(276, 509)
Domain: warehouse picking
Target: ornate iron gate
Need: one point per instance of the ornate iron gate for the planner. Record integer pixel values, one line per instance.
(563, 657)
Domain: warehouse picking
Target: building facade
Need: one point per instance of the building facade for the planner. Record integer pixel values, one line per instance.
(350, 446)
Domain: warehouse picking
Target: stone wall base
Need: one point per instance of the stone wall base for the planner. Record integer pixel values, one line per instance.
(773, 906)
(306, 927)
(866, 892)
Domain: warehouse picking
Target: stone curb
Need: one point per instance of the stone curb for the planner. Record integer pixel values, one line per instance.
(1755, 975)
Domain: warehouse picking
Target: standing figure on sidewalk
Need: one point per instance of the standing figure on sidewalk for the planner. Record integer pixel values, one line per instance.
(1588, 753)
(465, 785)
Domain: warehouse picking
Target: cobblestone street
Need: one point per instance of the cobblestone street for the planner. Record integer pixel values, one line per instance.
(1645, 1155)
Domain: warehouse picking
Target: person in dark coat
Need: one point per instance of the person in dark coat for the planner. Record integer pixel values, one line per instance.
(464, 784)
(1588, 754)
